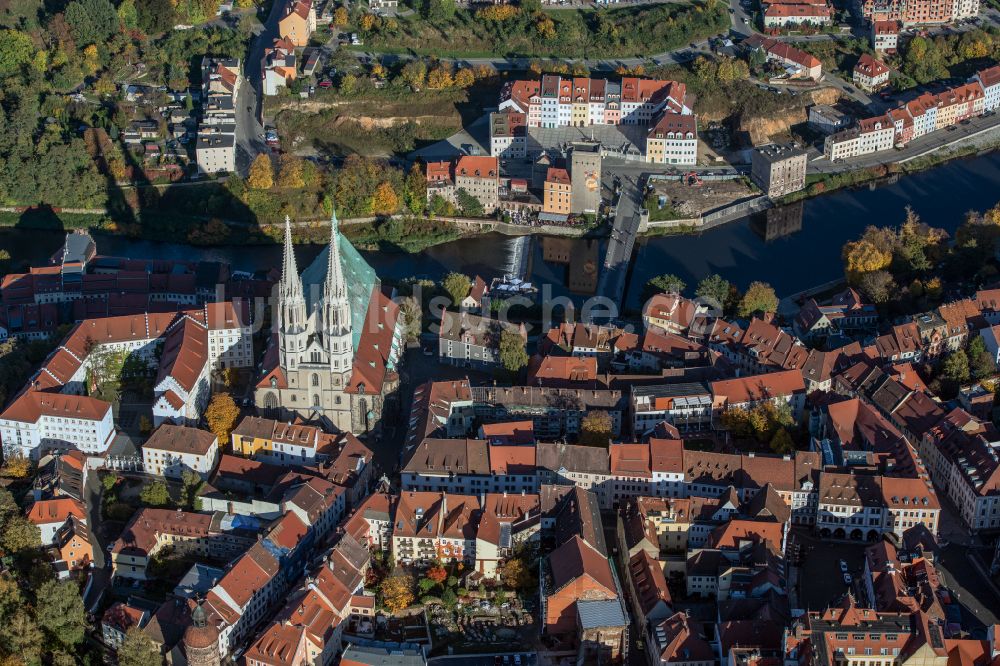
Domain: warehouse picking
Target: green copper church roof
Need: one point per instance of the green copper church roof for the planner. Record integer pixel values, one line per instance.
(360, 278)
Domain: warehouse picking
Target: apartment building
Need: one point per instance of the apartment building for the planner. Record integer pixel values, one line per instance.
(508, 134)
(171, 450)
(39, 421)
(563, 102)
(48, 515)
(215, 145)
(989, 79)
(885, 36)
(871, 135)
(480, 178)
(673, 140)
(782, 15)
(687, 406)
(280, 66)
(298, 22)
(778, 169)
(472, 341)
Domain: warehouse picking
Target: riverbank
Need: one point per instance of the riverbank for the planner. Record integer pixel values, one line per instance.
(817, 184)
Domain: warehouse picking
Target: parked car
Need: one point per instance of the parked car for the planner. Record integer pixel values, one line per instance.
(326, 83)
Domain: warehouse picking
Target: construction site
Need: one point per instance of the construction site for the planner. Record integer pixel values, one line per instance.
(692, 195)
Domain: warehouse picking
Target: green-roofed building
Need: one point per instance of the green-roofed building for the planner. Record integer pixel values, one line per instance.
(336, 342)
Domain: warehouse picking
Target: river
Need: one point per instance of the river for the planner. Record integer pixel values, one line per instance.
(793, 249)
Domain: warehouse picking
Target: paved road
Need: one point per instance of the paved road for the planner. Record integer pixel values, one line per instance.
(101, 577)
(250, 100)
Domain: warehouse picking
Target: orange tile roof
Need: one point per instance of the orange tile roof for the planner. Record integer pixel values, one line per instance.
(56, 510)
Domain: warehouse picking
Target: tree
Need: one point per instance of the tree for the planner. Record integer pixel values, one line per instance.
(16, 49)
(155, 494)
(514, 574)
(60, 613)
(782, 442)
(470, 205)
(340, 16)
(290, 172)
(409, 310)
(415, 189)
(261, 176)
(449, 599)
(425, 585)
(878, 286)
(440, 77)
(397, 591)
(138, 649)
(20, 636)
(981, 364)
(955, 367)
(384, 200)
(457, 286)
(16, 465)
(438, 574)
(667, 283)
(464, 78)
(221, 416)
(156, 16)
(512, 352)
(414, 73)
(190, 485)
(864, 256)
(759, 297)
(92, 21)
(714, 289)
(128, 14)
(596, 429)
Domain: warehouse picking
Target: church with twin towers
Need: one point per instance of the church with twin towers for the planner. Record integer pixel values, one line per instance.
(335, 343)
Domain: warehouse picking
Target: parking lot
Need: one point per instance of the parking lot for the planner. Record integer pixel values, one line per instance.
(821, 569)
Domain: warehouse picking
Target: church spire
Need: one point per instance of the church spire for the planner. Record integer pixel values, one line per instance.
(334, 287)
(291, 283)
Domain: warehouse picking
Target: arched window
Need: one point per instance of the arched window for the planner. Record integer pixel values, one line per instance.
(315, 358)
(270, 404)
(315, 400)
(315, 379)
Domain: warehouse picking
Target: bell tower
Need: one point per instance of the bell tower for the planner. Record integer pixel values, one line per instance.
(292, 321)
(337, 327)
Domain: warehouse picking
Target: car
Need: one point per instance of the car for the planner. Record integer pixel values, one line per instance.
(326, 83)
(849, 89)
(847, 578)
(843, 566)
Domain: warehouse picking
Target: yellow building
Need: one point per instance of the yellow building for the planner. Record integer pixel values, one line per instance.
(299, 22)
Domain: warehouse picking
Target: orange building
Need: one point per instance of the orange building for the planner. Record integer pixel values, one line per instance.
(73, 545)
(299, 22)
(558, 192)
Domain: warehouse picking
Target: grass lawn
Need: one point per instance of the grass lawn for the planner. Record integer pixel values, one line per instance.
(584, 33)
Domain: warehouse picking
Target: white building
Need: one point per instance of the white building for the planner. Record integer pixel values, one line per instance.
(172, 449)
(989, 79)
(215, 150)
(872, 135)
(673, 140)
(38, 420)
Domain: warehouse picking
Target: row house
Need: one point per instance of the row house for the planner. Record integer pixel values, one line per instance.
(687, 406)
(432, 526)
(508, 134)
(864, 507)
(673, 140)
(307, 630)
(961, 456)
(901, 580)
(574, 102)
(761, 348)
(782, 15)
(989, 79)
(786, 387)
(477, 176)
(871, 135)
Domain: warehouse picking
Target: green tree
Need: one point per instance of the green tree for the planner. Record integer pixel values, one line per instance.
(92, 21)
(155, 494)
(667, 283)
(759, 297)
(60, 614)
(981, 364)
(17, 533)
(470, 205)
(457, 286)
(512, 353)
(782, 442)
(955, 367)
(714, 289)
(21, 637)
(191, 483)
(128, 14)
(16, 50)
(449, 599)
(156, 16)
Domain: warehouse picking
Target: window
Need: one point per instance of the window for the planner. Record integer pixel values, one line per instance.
(315, 379)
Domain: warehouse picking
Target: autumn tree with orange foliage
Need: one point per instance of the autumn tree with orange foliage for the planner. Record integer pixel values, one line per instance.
(221, 416)
(397, 591)
(385, 201)
(438, 574)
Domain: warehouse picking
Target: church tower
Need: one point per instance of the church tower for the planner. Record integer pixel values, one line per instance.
(292, 318)
(337, 327)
